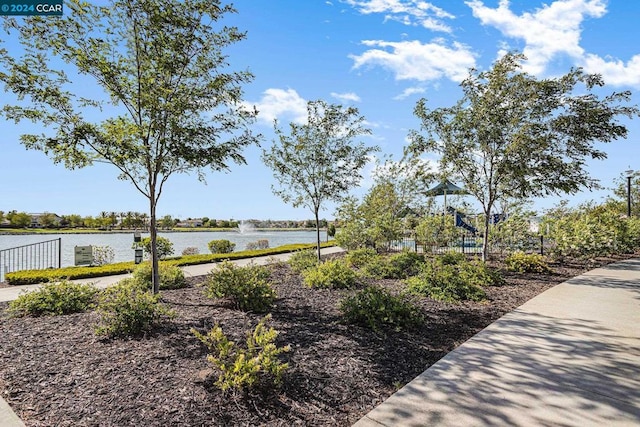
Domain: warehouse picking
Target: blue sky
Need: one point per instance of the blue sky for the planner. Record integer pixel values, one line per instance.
(380, 56)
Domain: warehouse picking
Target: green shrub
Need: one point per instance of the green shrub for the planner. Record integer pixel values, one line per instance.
(359, 257)
(527, 263)
(452, 258)
(240, 368)
(303, 260)
(55, 299)
(163, 246)
(375, 308)
(333, 274)
(444, 282)
(404, 264)
(478, 273)
(376, 268)
(247, 287)
(171, 276)
(222, 246)
(129, 309)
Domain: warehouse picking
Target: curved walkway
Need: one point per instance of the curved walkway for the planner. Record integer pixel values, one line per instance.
(569, 357)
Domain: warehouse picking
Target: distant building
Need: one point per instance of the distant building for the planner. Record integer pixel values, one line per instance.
(37, 219)
(190, 223)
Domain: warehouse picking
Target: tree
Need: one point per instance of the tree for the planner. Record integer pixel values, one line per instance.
(19, 219)
(318, 161)
(175, 107)
(514, 136)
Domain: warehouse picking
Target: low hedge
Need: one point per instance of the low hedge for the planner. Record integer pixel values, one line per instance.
(28, 277)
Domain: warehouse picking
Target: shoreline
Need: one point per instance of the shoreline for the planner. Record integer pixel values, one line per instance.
(186, 230)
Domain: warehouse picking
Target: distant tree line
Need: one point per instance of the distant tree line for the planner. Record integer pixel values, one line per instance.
(134, 221)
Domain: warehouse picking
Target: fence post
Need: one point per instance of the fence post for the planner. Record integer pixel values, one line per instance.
(59, 252)
(541, 245)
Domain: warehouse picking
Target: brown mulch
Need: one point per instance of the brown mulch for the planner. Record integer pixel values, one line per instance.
(54, 371)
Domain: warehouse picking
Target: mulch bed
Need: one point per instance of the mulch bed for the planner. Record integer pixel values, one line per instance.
(54, 371)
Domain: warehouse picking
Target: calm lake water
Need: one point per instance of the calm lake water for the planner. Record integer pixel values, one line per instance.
(121, 242)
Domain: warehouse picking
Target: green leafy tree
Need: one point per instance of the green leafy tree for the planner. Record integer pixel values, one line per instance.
(318, 161)
(166, 222)
(176, 108)
(353, 232)
(383, 210)
(48, 220)
(512, 135)
(19, 219)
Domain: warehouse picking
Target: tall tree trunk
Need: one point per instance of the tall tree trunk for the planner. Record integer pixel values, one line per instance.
(317, 213)
(155, 275)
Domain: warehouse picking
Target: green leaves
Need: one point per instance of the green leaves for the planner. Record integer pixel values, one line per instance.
(514, 136)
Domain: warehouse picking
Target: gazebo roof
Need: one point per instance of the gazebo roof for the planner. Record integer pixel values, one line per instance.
(445, 188)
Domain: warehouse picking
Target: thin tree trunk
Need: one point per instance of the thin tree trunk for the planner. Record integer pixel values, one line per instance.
(155, 275)
(317, 232)
(485, 240)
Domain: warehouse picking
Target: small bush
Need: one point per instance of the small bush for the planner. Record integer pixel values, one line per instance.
(303, 260)
(163, 246)
(260, 244)
(55, 299)
(129, 309)
(376, 308)
(478, 273)
(452, 258)
(332, 274)
(240, 368)
(247, 287)
(358, 258)
(527, 263)
(376, 268)
(443, 282)
(222, 246)
(404, 264)
(191, 250)
(103, 255)
(171, 276)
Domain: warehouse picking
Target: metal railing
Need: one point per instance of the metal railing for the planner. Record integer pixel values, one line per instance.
(36, 256)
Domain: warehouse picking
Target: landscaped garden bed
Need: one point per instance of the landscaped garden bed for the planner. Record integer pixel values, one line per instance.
(55, 371)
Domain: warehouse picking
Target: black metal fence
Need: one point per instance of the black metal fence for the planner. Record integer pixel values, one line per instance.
(467, 244)
(36, 256)
(464, 243)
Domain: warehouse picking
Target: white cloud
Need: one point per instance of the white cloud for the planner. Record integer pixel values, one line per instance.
(413, 60)
(409, 92)
(549, 31)
(614, 72)
(279, 104)
(407, 12)
(346, 97)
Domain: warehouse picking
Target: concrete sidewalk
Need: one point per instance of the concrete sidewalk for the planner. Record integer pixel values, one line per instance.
(569, 357)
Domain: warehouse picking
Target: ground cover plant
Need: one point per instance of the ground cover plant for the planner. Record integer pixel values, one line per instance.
(337, 370)
(245, 368)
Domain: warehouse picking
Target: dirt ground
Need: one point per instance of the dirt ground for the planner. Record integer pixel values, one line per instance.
(54, 371)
